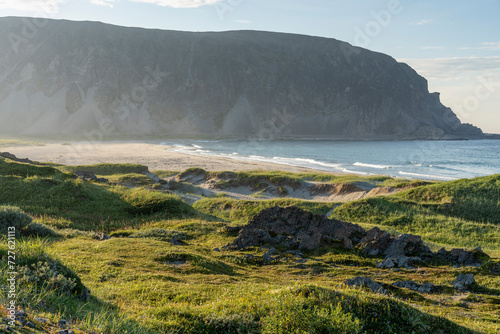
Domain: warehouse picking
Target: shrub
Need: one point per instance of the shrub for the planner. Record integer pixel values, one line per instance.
(11, 216)
(148, 202)
(44, 275)
(40, 230)
(295, 315)
(159, 233)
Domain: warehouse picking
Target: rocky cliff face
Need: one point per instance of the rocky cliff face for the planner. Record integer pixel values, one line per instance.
(93, 79)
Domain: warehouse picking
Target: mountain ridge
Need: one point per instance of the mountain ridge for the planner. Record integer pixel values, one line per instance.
(82, 78)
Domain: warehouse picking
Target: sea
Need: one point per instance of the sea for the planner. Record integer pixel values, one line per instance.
(428, 160)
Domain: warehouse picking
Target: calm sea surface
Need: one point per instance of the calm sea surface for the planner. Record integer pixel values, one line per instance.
(439, 160)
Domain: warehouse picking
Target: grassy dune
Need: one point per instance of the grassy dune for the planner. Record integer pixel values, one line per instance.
(142, 283)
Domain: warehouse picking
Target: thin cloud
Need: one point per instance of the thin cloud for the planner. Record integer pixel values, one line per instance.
(43, 6)
(243, 21)
(107, 3)
(483, 46)
(422, 22)
(466, 68)
(179, 3)
(432, 48)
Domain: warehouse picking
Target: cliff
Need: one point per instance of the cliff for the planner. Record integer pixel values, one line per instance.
(90, 79)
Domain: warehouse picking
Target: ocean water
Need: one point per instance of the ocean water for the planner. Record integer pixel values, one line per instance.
(432, 160)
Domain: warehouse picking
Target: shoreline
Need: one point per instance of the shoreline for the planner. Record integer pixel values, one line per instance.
(149, 153)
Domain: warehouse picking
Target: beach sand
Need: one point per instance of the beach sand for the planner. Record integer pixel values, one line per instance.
(153, 155)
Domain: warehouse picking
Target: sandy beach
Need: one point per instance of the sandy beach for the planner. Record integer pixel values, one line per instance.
(153, 155)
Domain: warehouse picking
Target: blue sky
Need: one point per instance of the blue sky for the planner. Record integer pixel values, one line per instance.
(454, 44)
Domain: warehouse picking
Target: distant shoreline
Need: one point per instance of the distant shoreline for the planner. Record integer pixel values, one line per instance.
(148, 153)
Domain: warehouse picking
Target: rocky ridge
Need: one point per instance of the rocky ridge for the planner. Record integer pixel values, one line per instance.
(95, 81)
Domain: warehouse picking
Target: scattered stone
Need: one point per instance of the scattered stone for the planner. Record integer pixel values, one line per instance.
(14, 158)
(89, 176)
(366, 282)
(175, 242)
(30, 324)
(101, 236)
(216, 250)
(21, 314)
(42, 320)
(462, 257)
(400, 251)
(464, 282)
(267, 258)
(296, 253)
(399, 262)
(295, 228)
(85, 295)
(422, 288)
(272, 251)
(63, 323)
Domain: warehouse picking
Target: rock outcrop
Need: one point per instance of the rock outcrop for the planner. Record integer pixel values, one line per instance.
(94, 80)
(296, 228)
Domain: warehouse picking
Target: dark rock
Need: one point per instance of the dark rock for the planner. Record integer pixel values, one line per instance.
(267, 258)
(375, 242)
(464, 282)
(89, 176)
(63, 323)
(422, 288)
(30, 324)
(42, 320)
(85, 295)
(462, 257)
(175, 242)
(101, 236)
(216, 249)
(295, 228)
(400, 251)
(366, 282)
(21, 314)
(14, 158)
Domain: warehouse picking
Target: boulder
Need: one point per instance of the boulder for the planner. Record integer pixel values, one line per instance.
(375, 242)
(89, 176)
(422, 288)
(296, 228)
(464, 282)
(400, 251)
(366, 282)
(462, 257)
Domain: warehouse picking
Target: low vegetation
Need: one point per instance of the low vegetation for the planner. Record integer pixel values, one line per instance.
(165, 268)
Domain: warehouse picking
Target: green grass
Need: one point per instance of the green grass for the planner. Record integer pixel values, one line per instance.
(461, 213)
(141, 283)
(107, 169)
(18, 142)
(131, 180)
(12, 168)
(241, 211)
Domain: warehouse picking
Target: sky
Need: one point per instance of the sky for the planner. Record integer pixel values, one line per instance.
(455, 44)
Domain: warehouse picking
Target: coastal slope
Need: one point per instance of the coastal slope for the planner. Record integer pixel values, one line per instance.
(89, 79)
